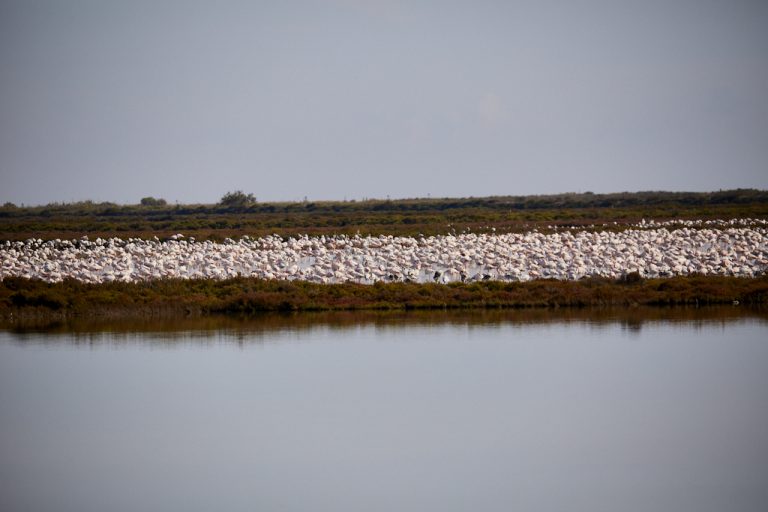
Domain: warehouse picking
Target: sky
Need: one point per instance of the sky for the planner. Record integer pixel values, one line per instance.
(350, 99)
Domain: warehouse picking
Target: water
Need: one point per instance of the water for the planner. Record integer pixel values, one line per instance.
(474, 412)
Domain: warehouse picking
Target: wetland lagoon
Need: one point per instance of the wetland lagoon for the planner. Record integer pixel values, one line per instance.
(635, 409)
(470, 358)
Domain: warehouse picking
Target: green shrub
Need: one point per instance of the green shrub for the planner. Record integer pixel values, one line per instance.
(237, 199)
(151, 201)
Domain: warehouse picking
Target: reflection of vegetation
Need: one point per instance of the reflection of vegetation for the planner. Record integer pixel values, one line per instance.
(254, 327)
(243, 215)
(19, 296)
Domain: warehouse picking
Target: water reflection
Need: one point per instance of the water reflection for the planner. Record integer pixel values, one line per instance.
(253, 329)
(579, 410)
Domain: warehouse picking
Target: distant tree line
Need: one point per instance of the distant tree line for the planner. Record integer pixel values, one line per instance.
(239, 201)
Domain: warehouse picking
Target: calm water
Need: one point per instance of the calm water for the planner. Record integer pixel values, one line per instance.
(388, 413)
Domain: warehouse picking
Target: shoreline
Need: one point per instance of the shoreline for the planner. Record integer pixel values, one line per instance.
(178, 298)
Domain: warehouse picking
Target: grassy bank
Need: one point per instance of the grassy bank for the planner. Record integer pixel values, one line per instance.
(21, 297)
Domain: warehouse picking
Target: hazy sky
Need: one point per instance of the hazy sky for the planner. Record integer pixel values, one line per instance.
(333, 99)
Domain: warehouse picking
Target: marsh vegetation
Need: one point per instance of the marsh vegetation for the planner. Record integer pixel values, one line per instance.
(23, 297)
(405, 217)
(244, 295)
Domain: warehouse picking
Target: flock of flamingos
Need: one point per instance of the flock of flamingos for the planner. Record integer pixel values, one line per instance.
(735, 247)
